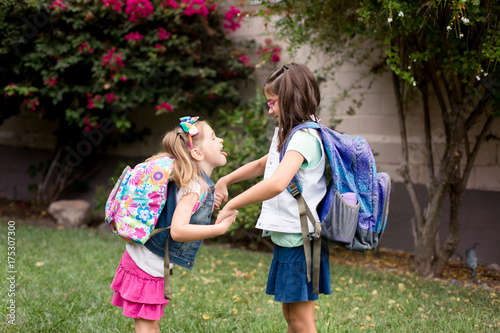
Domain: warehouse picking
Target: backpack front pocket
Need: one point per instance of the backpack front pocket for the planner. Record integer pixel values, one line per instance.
(341, 221)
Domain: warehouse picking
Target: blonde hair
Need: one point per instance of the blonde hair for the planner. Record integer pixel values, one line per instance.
(175, 143)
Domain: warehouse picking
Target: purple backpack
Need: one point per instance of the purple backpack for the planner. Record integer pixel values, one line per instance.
(352, 165)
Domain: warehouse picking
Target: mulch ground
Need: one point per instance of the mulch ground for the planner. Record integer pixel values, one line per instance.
(402, 263)
(384, 260)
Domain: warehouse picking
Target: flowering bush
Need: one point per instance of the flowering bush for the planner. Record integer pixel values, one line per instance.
(89, 63)
(247, 131)
(270, 51)
(233, 18)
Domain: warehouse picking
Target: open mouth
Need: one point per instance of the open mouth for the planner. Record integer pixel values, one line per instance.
(223, 153)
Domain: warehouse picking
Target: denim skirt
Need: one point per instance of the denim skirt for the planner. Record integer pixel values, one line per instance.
(287, 279)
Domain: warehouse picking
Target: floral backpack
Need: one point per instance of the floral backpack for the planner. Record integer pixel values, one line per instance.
(135, 204)
(137, 199)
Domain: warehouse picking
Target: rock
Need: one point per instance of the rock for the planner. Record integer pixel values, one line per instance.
(71, 214)
(455, 257)
(494, 268)
(104, 227)
(485, 286)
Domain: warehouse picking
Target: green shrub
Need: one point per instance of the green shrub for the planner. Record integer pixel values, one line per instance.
(103, 191)
(247, 133)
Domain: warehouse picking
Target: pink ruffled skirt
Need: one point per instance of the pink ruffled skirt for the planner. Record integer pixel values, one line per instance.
(138, 293)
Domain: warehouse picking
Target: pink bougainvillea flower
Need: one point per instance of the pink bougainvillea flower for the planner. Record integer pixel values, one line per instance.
(123, 78)
(195, 7)
(245, 60)
(88, 124)
(212, 95)
(89, 16)
(162, 34)
(134, 36)
(58, 4)
(276, 57)
(110, 97)
(270, 51)
(116, 5)
(51, 82)
(85, 47)
(160, 48)
(32, 104)
(137, 9)
(164, 107)
(213, 8)
(233, 19)
(266, 48)
(113, 59)
(90, 102)
(170, 3)
(10, 92)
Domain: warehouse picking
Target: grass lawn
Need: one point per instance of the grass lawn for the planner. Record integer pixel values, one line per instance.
(63, 277)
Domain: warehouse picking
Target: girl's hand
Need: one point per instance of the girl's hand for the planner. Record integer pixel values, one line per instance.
(221, 189)
(225, 213)
(226, 222)
(218, 200)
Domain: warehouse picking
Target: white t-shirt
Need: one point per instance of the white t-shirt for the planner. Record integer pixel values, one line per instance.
(309, 146)
(281, 213)
(145, 259)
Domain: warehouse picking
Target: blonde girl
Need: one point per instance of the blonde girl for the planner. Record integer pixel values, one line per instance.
(138, 283)
(293, 97)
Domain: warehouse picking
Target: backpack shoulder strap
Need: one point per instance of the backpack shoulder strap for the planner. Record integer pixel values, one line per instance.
(309, 124)
(305, 212)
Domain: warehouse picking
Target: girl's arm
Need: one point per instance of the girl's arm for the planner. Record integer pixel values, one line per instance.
(248, 171)
(182, 231)
(268, 188)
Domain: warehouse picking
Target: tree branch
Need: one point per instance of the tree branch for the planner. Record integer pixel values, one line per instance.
(442, 103)
(405, 168)
(478, 111)
(472, 157)
(431, 185)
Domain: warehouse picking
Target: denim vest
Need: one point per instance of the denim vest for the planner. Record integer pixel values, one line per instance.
(180, 253)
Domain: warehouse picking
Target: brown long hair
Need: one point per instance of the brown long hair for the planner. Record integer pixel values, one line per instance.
(175, 143)
(298, 97)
